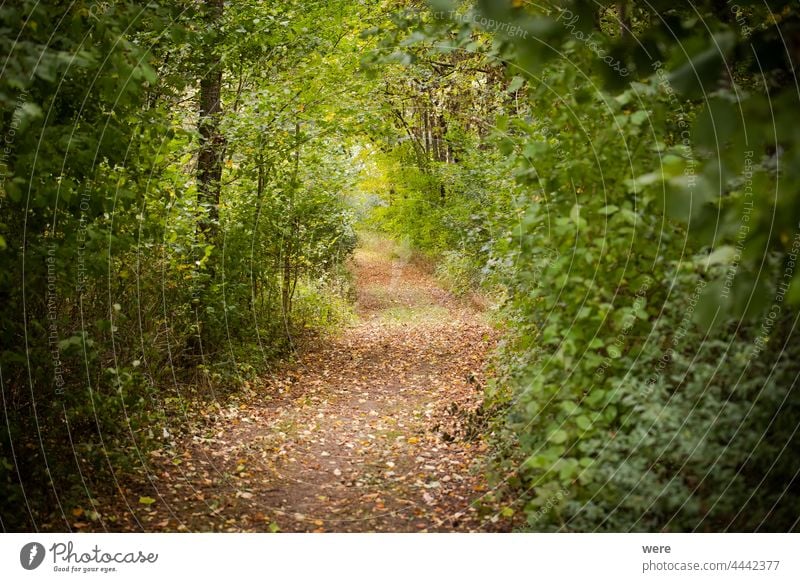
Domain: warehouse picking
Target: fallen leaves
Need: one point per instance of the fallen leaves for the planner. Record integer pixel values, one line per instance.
(368, 432)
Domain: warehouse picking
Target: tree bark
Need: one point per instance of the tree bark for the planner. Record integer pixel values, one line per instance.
(209, 172)
(291, 272)
(209, 161)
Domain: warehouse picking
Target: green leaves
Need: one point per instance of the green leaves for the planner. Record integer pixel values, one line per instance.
(687, 197)
(702, 70)
(583, 422)
(515, 84)
(639, 117)
(558, 437)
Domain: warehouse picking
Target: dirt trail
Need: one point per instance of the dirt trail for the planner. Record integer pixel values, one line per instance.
(360, 435)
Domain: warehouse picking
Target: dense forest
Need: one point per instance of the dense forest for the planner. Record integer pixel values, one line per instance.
(514, 266)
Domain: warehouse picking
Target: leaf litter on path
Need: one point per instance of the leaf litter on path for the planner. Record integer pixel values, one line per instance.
(363, 437)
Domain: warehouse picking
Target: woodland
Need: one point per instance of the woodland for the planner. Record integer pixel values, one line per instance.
(399, 265)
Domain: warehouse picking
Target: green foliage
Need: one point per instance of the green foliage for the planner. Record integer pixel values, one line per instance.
(115, 313)
(74, 111)
(649, 422)
(646, 252)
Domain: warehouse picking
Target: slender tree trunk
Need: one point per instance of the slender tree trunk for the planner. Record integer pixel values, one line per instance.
(426, 129)
(416, 143)
(209, 173)
(209, 162)
(290, 272)
(257, 275)
(287, 282)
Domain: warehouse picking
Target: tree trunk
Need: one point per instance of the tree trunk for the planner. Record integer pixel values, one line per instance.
(290, 272)
(286, 283)
(256, 276)
(209, 161)
(209, 173)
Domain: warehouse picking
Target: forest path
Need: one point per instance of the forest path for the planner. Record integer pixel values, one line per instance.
(366, 432)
